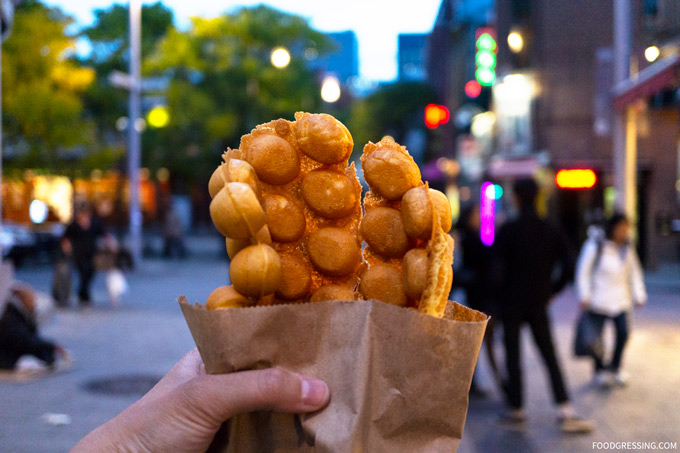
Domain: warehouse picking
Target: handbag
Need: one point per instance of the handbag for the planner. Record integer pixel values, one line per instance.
(588, 338)
(61, 282)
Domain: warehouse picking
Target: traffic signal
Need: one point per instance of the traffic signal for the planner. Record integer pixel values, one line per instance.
(436, 115)
(485, 56)
(473, 89)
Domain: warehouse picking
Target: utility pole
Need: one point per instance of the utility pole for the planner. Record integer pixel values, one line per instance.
(134, 128)
(624, 137)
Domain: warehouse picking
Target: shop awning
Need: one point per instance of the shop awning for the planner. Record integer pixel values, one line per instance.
(647, 82)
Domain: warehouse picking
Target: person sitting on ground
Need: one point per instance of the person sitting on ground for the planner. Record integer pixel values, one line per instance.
(19, 331)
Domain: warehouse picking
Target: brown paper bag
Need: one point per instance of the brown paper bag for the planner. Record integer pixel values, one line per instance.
(399, 380)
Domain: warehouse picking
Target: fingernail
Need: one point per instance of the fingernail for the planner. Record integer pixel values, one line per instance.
(314, 391)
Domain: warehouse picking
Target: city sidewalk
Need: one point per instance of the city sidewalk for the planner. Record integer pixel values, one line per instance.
(647, 410)
(138, 342)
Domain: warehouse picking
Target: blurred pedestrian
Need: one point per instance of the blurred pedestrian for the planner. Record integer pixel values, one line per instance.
(609, 282)
(529, 253)
(172, 234)
(18, 326)
(80, 242)
(475, 277)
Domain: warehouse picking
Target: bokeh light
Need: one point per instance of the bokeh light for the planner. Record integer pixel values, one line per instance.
(330, 89)
(37, 211)
(652, 53)
(515, 42)
(158, 117)
(280, 57)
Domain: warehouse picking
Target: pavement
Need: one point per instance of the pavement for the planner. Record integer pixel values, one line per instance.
(121, 351)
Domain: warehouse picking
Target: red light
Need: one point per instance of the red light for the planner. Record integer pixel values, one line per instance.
(473, 89)
(577, 178)
(436, 115)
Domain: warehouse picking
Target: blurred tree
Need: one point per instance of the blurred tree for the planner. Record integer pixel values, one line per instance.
(42, 86)
(391, 110)
(223, 84)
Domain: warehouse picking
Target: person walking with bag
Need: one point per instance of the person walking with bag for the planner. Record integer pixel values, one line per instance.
(80, 241)
(609, 282)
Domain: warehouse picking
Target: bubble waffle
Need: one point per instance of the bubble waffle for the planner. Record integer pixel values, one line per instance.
(290, 209)
(300, 197)
(238, 213)
(409, 253)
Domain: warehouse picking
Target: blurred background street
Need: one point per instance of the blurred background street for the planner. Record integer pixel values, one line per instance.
(115, 115)
(136, 343)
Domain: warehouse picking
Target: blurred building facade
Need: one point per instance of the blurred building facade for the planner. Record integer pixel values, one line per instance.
(451, 48)
(566, 64)
(552, 105)
(411, 56)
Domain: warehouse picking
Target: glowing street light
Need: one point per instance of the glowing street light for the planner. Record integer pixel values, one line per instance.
(280, 57)
(515, 42)
(652, 53)
(38, 211)
(330, 89)
(482, 124)
(158, 117)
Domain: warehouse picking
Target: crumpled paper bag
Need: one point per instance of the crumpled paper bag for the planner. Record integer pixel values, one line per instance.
(399, 379)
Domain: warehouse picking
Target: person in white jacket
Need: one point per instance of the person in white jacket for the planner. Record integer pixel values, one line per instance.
(609, 283)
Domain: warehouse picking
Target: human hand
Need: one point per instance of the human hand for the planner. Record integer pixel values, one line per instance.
(640, 303)
(185, 409)
(584, 304)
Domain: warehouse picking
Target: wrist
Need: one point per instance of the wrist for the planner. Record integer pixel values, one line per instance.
(113, 436)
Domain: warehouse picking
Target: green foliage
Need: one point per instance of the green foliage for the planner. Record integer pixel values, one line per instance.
(42, 87)
(62, 111)
(110, 38)
(223, 83)
(392, 109)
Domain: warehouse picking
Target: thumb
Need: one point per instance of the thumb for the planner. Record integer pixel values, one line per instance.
(276, 389)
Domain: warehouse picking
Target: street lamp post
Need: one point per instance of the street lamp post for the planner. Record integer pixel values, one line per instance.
(134, 128)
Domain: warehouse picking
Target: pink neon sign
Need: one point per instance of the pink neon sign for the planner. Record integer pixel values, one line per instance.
(487, 213)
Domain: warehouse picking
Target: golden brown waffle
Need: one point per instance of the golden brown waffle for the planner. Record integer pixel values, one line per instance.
(409, 253)
(289, 206)
(311, 209)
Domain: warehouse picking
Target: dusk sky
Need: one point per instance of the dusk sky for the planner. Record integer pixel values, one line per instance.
(375, 22)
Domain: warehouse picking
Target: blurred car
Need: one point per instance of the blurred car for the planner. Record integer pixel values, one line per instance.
(18, 242)
(37, 242)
